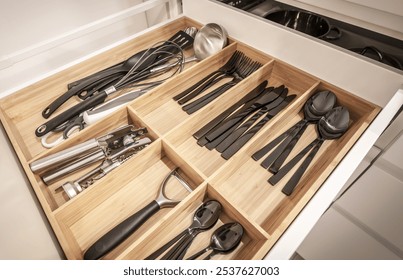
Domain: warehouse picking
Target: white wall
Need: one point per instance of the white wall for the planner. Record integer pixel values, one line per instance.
(25, 23)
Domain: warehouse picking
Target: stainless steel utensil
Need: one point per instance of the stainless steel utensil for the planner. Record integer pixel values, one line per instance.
(108, 144)
(139, 61)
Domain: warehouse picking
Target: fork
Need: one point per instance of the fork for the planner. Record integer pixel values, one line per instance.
(243, 68)
(226, 70)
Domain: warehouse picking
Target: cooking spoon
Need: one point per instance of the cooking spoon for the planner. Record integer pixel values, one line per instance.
(204, 218)
(331, 126)
(316, 106)
(224, 239)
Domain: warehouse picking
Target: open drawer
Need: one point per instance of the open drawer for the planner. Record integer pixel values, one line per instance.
(239, 182)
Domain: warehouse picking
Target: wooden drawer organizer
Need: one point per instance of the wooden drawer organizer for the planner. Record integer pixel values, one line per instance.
(239, 183)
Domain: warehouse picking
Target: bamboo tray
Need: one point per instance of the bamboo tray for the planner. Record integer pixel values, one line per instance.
(240, 184)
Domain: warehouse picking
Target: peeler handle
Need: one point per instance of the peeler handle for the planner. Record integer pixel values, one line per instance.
(122, 231)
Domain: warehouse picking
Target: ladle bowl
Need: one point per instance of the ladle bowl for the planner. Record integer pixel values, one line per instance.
(210, 39)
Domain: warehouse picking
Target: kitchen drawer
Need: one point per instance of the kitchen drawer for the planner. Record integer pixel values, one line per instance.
(266, 215)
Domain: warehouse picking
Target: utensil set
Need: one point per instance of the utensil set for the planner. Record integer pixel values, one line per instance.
(133, 72)
(331, 123)
(232, 129)
(224, 239)
(238, 67)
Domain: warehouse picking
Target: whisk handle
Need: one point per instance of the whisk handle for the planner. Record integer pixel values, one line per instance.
(71, 113)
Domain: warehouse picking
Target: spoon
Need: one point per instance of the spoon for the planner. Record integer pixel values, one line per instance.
(331, 126)
(204, 218)
(316, 106)
(224, 239)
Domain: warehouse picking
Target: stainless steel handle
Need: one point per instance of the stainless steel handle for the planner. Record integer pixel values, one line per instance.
(52, 176)
(52, 161)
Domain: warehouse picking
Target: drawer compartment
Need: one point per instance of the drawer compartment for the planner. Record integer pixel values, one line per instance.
(253, 242)
(238, 183)
(121, 194)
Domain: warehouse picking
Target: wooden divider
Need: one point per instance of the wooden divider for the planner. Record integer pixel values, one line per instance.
(239, 183)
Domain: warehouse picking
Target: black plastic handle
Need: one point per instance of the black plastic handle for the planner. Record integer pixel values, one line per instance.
(280, 148)
(292, 183)
(207, 98)
(248, 98)
(71, 113)
(59, 101)
(198, 88)
(289, 165)
(72, 84)
(284, 154)
(122, 231)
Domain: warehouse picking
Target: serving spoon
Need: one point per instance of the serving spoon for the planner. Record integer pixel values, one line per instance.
(315, 107)
(224, 239)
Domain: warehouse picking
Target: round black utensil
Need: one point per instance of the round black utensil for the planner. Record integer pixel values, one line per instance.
(204, 218)
(316, 106)
(224, 239)
(331, 126)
